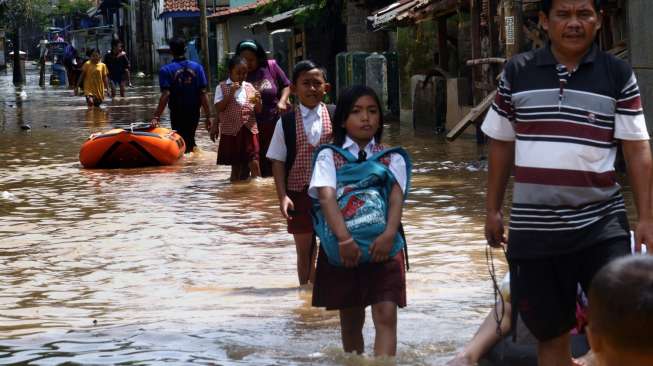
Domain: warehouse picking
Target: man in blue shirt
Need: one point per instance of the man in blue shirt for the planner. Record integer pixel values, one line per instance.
(183, 89)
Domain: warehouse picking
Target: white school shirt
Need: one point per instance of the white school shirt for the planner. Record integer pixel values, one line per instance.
(324, 172)
(312, 121)
(241, 95)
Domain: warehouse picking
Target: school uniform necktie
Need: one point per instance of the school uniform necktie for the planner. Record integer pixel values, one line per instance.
(362, 156)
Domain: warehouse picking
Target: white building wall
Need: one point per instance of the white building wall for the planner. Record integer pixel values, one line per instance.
(161, 32)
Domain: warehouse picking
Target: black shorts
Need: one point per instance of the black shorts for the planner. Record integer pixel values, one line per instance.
(544, 291)
(185, 123)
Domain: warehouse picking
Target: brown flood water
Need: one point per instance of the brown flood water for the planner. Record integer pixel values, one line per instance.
(175, 265)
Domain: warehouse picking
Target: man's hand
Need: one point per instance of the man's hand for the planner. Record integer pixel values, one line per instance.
(286, 204)
(235, 85)
(154, 122)
(215, 131)
(207, 123)
(350, 253)
(494, 232)
(644, 235)
(381, 247)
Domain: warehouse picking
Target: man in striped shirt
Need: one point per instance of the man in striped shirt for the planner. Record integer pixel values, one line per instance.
(558, 117)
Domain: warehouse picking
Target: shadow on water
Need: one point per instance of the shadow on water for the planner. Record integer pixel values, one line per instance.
(176, 265)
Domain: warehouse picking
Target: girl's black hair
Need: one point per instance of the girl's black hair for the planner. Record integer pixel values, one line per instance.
(548, 4)
(254, 46)
(346, 102)
(305, 66)
(235, 60)
(91, 51)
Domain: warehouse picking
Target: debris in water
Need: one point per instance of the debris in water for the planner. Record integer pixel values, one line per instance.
(25, 127)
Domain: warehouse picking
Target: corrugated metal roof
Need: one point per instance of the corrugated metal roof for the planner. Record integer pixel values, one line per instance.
(267, 24)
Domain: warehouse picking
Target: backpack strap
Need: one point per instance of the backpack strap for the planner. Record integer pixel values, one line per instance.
(345, 154)
(331, 108)
(289, 126)
(404, 154)
(290, 138)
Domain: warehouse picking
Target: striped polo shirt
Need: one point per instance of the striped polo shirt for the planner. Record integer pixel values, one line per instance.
(565, 124)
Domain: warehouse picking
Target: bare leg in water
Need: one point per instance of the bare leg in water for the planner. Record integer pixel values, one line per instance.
(484, 339)
(351, 329)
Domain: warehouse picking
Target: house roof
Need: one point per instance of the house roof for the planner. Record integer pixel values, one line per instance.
(409, 11)
(226, 13)
(180, 5)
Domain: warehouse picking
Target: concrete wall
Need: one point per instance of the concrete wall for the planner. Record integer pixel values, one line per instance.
(416, 47)
(237, 32)
(358, 37)
(161, 32)
(640, 13)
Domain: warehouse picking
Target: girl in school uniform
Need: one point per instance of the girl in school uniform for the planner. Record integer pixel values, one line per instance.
(237, 102)
(357, 127)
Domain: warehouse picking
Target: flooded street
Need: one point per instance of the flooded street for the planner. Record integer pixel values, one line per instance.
(175, 265)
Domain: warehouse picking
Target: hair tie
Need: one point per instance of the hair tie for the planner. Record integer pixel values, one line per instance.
(248, 44)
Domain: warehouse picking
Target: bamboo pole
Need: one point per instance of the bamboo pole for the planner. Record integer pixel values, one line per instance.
(204, 42)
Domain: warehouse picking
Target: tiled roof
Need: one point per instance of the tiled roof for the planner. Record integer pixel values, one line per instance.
(238, 10)
(180, 5)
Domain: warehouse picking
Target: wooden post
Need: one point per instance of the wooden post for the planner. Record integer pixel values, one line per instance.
(475, 8)
(492, 26)
(443, 51)
(18, 72)
(204, 42)
(514, 23)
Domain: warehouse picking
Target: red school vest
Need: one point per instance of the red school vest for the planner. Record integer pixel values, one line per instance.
(236, 115)
(300, 173)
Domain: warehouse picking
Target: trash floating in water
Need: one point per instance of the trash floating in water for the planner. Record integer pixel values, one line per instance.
(140, 74)
(25, 127)
(8, 196)
(22, 95)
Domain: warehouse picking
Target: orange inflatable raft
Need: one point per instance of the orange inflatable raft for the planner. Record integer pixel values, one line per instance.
(132, 147)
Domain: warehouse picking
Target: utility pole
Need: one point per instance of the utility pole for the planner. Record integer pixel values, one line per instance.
(19, 76)
(204, 42)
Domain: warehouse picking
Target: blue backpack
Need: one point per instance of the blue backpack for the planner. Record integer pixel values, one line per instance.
(185, 89)
(362, 193)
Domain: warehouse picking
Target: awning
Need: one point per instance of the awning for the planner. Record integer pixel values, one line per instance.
(222, 15)
(275, 22)
(406, 12)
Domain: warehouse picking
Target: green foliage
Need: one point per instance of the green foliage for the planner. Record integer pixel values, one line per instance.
(15, 13)
(73, 8)
(222, 70)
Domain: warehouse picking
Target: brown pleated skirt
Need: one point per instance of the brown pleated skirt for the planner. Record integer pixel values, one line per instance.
(370, 283)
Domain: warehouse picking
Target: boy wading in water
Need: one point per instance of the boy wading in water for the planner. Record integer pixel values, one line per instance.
(95, 80)
(291, 158)
(558, 117)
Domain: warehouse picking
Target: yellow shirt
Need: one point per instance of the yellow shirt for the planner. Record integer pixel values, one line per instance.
(94, 75)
